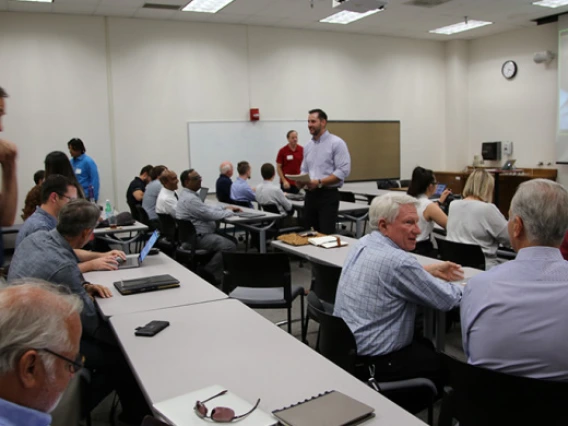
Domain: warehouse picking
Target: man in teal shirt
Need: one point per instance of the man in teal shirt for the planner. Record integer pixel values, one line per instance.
(85, 169)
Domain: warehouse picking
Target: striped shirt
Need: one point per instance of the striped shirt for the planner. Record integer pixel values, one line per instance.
(327, 156)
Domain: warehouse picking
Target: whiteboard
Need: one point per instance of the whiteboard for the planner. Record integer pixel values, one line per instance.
(212, 142)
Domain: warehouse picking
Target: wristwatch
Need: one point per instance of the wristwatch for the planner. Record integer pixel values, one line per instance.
(320, 185)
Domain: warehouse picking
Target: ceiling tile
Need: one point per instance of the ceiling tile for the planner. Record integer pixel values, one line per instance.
(154, 14)
(73, 8)
(21, 6)
(115, 11)
(122, 3)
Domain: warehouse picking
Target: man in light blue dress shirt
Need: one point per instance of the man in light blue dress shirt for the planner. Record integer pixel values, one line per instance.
(240, 189)
(327, 161)
(380, 287)
(40, 332)
(85, 169)
(514, 317)
(151, 194)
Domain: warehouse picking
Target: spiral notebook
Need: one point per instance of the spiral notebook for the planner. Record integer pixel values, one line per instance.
(330, 408)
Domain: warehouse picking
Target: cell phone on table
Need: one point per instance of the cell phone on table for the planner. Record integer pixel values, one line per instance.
(151, 329)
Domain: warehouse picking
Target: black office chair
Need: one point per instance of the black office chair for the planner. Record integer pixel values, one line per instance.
(324, 285)
(337, 343)
(482, 397)
(169, 241)
(463, 254)
(346, 196)
(349, 197)
(262, 281)
(388, 183)
(282, 226)
(187, 252)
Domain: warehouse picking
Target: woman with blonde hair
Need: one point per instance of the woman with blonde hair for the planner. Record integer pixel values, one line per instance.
(475, 220)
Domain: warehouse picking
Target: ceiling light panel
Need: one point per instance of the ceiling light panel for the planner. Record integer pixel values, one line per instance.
(206, 6)
(551, 3)
(460, 27)
(346, 17)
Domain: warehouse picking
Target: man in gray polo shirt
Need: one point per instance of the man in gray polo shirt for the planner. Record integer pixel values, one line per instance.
(151, 194)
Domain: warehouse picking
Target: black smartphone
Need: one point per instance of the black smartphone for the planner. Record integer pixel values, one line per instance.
(151, 329)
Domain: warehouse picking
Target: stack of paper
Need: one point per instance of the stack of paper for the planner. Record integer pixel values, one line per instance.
(179, 410)
(329, 241)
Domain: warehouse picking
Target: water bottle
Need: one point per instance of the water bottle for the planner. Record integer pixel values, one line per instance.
(108, 209)
(91, 194)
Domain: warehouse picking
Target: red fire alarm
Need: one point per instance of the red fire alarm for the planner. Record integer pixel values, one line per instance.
(254, 114)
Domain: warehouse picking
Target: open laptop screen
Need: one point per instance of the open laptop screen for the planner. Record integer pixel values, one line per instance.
(149, 246)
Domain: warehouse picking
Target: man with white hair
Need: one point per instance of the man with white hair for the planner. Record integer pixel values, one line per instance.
(381, 285)
(514, 317)
(40, 331)
(224, 182)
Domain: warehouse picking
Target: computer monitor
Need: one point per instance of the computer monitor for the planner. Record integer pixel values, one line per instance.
(491, 150)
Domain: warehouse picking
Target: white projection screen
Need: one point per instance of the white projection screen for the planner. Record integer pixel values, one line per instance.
(562, 129)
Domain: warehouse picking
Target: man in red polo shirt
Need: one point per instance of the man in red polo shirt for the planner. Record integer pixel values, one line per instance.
(288, 162)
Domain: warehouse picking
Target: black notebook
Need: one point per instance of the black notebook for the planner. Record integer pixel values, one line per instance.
(331, 408)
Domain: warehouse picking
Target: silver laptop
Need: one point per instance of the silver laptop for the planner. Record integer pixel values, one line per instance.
(135, 261)
(203, 193)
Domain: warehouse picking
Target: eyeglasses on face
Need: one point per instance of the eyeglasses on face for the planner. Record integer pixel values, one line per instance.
(67, 196)
(195, 177)
(220, 414)
(74, 365)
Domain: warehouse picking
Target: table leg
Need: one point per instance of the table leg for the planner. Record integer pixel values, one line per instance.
(429, 323)
(440, 331)
(262, 240)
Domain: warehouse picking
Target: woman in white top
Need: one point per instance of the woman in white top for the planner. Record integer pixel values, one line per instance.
(475, 220)
(423, 186)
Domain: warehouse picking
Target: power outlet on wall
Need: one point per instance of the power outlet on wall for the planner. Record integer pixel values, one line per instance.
(507, 148)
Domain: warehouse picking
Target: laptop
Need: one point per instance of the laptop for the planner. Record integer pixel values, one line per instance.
(203, 193)
(508, 165)
(142, 285)
(135, 261)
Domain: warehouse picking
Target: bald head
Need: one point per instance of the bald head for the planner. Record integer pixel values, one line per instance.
(226, 168)
(169, 180)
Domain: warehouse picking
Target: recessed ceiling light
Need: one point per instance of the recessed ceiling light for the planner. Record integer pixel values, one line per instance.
(346, 17)
(551, 3)
(458, 28)
(39, 1)
(206, 6)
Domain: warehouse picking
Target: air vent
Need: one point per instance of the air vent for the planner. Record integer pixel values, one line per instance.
(426, 3)
(161, 6)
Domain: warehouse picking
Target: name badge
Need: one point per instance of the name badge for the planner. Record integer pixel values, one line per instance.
(77, 171)
(289, 157)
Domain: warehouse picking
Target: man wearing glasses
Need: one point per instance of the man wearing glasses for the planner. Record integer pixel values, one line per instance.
(56, 192)
(203, 217)
(40, 331)
(49, 255)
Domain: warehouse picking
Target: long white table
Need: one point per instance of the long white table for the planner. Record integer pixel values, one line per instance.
(228, 344)
(258, 224)
(110, 235)
(368, 189)
(336, 257)
(193, 289)
(346, 210)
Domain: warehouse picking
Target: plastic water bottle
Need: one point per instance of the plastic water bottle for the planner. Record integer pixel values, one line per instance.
(108, 209)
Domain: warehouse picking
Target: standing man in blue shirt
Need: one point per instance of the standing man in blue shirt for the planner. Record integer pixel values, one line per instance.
(327, 161)
(9, 195)
(85, 168)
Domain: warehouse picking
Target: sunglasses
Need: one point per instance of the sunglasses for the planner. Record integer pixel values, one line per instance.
(220, 414)
(74, 365)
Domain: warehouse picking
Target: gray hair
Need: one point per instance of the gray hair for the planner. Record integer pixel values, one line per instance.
(33, 315)
(76, 216)
(387, 207)
(225, 167)
(543, 206)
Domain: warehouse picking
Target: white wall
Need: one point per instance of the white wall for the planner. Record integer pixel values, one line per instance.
(163, 74)
(522, 110)
(54, 69)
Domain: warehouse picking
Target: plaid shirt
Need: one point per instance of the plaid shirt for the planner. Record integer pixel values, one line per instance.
(378, 291)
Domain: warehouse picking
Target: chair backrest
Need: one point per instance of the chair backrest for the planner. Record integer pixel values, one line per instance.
(346, 196)
(241, 203)
(168, 227)
(464, 254)
(485, 397)
(142, 215)
(271, 208)
(387, 183)
(151, 421)
(336, 341)
(256, 270)
(325, 280)
(187, 235)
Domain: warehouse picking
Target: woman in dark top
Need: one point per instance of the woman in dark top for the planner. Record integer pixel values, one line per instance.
(56, 163)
